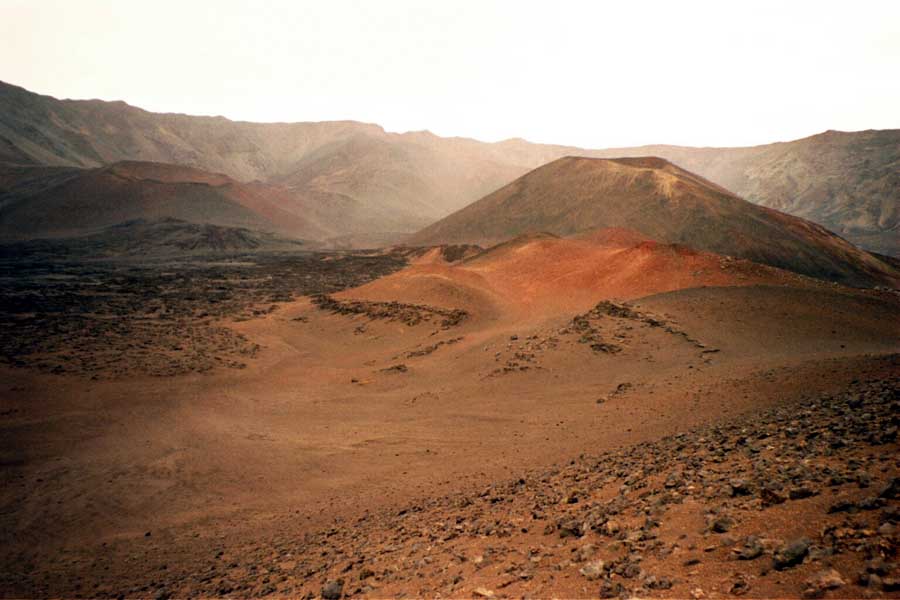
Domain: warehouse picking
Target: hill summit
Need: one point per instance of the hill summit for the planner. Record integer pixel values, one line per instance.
(662, 201)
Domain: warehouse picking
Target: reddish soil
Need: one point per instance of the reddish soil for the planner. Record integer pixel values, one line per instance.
(253, 482)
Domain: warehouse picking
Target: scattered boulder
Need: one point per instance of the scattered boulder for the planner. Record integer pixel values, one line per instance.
(791, 554)
(842, 506)
(892, 490)
(586, 552)
(821, 582)
(721, 524)
(753, 549)
(771, 496)
(741, 487)
(878, 566)
(611, 528)
(333, 590)
(799, 493)
(593, 570)
(740, 587)
(609, 589)
(571, 528)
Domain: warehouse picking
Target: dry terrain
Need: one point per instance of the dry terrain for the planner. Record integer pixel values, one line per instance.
(598, 416)
(575, 195)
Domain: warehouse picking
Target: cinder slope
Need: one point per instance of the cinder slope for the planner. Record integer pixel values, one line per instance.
(849, 182)
(662, 201)
(541, 276)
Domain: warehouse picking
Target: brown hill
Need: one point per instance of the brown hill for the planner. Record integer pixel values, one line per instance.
(390, 183)
(384, 182)
(659, 200)
(62, 202)
(849, 182)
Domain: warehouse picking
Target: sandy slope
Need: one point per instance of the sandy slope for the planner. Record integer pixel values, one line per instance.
(104, 482)
(538, 276)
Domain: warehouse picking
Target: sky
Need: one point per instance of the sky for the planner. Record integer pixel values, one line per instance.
(587, 73)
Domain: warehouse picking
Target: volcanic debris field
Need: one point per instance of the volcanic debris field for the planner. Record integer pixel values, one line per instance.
(799, 500)
(651, 520)
(119, 318)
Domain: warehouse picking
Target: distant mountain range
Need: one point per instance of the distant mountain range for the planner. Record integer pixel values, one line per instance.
(355, 184)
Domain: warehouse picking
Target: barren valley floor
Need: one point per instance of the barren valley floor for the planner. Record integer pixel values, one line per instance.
(355, 445)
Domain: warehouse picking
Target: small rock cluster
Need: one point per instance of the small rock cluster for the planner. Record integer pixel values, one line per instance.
(589, 329)
(408, 314)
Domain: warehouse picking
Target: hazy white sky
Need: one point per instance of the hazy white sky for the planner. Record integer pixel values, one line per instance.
(588, 73)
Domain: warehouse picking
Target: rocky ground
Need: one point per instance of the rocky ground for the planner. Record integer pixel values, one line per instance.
(798, 501)
(408, 314)
(605, 329)
(116, 319)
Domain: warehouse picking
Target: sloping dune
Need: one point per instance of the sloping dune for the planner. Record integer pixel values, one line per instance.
(545, 275)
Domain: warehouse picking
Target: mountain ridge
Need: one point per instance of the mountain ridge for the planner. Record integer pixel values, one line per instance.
(847, 182)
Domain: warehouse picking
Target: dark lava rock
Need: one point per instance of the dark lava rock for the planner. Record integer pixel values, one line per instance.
(674, 480)
(739, 587)
(791, 554)
(630, 570)
(800, 493)
(771, 496)
(878, 566)
(722, 524)
(741, 487)
(658, 583)
(333, 590)
(570, 528)
(752, 549)
(870, 503)
(842, 506)
(892, 490)
(863, 479)
(608, 589)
